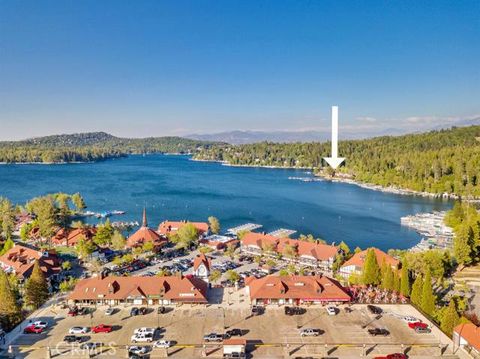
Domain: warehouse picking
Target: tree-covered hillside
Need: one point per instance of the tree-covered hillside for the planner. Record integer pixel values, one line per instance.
(437, 162)
(91, 147)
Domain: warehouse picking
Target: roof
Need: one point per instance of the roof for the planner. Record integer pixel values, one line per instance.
(297, 287)
(358, 259)
(142, 235)
(167, 227)
(470, 332)
(201, 258)
(235, 341)
(318, 251)
(186, 289)
(22, 259)
(71, 237)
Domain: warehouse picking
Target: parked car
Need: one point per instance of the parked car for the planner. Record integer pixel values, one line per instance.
(72, 312)
(161, 310)
(421, 330)
(415, 325)
(213, 337)
(83, 311)
(109, 311)
(32, 329)
(310, 332)
(257, 310)
(144, 330)
(379, 331)
(78, 330)
(40, 323)
(143, 310)
(331, 310)
(162, 344)
(234, 332)
(142, 337)
(410, 319)
(134, 311)
(374, 310)
(393, 356)
(102, 328)
(139, 349)
(295, 311)
(72, 339)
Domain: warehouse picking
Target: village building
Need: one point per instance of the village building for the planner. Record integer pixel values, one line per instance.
(20, 260)
(145, 234)
(113, 290)
(355, 264)
(167, 228)
(70, 237)
(202, 266)
(311, 254)
(22, 219)
(218, 242)
(467, 336)
(295, 290)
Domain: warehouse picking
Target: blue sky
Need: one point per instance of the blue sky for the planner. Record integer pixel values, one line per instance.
(153, 68)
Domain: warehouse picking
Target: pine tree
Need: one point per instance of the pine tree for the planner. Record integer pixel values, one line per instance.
(36, 287)
(396, 282)
(371, 270)
(416, 295)
(10, 312)
(450, 318)
(405, 280)
(462, 244)
(428, 298)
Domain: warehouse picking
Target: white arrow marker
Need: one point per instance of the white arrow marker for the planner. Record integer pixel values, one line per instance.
(334, 161)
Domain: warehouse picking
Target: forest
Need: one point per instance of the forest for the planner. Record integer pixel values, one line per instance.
(88, 147)
(443, 161)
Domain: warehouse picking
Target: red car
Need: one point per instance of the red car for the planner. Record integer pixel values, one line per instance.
(102, 328)
(72, 312)
(393, 356)
(32, 329)
(418, 325)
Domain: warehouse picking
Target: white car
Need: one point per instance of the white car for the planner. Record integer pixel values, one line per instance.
(332, 311)
(41, 324)
(138, 350)
(141, 338)
(162, 344)
(78, 330)
(109, 311)
(144, 330)
(409, 319)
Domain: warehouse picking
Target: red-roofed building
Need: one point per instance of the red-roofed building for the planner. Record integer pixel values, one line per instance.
(355, 264)
(20, 260)
(170, 227)
(467, 336)
(201, 266)
(293, 289)
(70, 237)
(316, 255)
(140, 290)
(145, 234)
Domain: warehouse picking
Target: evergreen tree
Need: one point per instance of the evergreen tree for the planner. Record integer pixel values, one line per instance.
(462, 244)
(7, 218)
(388, 279)
(214, 224)
(10, 312)
(371, 270)
(428, 298)
(396, 282)
(36, 287)
(9, 244)
(118, 241)
(104, 234)
(450, 319)
(405, 280)
(416, 295)
(78, 202)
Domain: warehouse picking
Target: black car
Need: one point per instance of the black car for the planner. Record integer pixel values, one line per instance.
(257, 310)
(134, 311)
(143, 310)
(161, 310)
(233, 333)
(72, 339)
(294, 311)
(378, 331)
(374, 310)
(83, 311)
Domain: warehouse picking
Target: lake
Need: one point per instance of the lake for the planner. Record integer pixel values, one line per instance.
(175, 188)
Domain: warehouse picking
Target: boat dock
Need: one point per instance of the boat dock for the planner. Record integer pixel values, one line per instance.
(249, 227)
(431, 226)
(282, 233)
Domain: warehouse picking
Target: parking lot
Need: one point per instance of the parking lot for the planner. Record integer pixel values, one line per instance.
(270, 335)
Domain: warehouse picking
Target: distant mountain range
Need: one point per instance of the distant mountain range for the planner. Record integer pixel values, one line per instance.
(239, 137)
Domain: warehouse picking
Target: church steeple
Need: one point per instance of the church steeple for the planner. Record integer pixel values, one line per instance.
(144, 221)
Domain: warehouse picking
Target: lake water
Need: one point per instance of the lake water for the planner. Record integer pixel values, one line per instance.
(175, 188)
